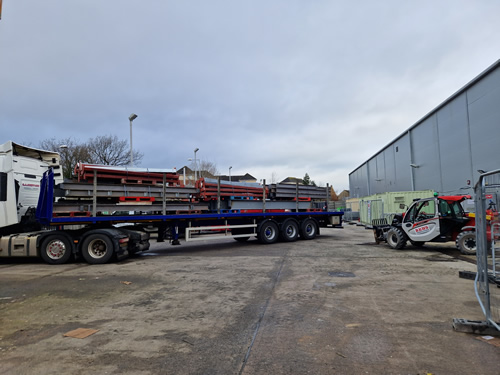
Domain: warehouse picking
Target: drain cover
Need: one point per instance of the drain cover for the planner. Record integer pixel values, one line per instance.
(341, 274)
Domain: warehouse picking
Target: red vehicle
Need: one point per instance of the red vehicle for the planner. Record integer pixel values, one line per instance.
(437, 219)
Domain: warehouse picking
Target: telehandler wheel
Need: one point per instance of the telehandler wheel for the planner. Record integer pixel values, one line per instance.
(97, 249)
(396, 238)
(289, 230)
(55, 249)
(466, 242)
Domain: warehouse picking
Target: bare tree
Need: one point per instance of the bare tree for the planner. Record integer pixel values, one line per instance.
(207, 168)
(274, 178)
(70, 151)
(109, 150)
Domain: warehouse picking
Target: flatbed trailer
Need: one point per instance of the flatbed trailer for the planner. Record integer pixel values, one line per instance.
(99, 236)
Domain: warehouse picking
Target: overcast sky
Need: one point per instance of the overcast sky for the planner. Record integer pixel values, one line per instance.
(277, 86)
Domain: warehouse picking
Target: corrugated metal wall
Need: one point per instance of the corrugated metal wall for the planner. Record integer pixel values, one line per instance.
(444, 150)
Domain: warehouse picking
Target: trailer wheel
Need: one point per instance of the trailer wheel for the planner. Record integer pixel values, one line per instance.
(289, 230)
(466, 243)
(396, 239)
(308, 229)
(97, 249)
(55, 249)
(268, 232)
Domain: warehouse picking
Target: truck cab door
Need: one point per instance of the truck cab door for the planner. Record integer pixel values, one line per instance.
(421, 222)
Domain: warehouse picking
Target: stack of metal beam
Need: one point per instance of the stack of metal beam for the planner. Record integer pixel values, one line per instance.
(107, 198)
(210, 190)
(303, 192)
(126, 175)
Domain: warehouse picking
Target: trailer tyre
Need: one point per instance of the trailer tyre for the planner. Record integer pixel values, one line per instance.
(268, 232)
(55, 249)
(289, 230)
(308, 229)
(396, 239)
(466, 243)
(97, 249)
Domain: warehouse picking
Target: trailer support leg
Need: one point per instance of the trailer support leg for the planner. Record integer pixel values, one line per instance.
(175, 235)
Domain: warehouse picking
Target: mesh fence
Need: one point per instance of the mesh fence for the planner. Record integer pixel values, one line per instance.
(487, 285)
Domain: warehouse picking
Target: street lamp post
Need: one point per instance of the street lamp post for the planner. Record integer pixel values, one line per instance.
(230, 173)
(195, 165)
(132, 117)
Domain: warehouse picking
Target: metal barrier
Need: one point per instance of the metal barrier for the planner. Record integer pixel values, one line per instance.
(487, 192)
(349, 213)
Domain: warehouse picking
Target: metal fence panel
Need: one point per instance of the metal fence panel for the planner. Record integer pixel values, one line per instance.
(487, 192)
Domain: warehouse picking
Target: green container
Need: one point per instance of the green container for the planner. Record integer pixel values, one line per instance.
(385, 205)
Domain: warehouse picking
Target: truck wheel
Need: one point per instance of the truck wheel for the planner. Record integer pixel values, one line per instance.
(396, 239)
(466, 243)
(55, 249)
(268, 232)
(289, 230)
(308, 229)
(97, 249)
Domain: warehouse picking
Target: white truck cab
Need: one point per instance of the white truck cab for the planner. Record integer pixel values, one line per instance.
(21, 169)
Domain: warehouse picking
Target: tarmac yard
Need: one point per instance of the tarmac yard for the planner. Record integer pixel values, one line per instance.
(338, 304)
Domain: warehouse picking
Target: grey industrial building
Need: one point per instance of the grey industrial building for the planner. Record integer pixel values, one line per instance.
(445, 149)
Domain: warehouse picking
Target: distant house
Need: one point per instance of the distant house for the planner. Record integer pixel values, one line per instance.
(344, 195)
(292, 180)
(239, 178)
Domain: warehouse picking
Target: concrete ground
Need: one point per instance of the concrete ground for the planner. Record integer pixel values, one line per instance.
(338, 304)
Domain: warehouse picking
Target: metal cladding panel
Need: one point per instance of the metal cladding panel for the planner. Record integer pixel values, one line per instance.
(454, 146)
(484, 117)
(358, 182)
(425, 155)
(377, 174)
(390, 169)
(401, 151)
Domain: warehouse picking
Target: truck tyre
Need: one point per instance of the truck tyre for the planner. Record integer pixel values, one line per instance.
(268, 232)
(289, 230)
(55, 249)
(466, 242)
(97, 249)
(308, 229)
(396, 239)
